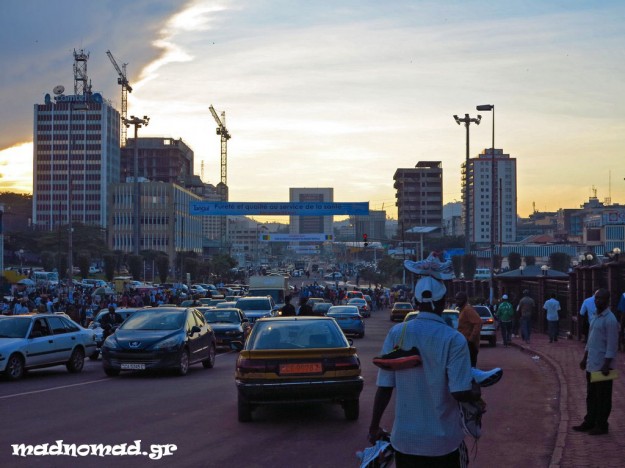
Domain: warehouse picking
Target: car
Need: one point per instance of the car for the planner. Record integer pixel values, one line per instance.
(335, 276)
(349, 319)
(353, 294)
(489, 326)
(399, 310)
(210, 302)
(229, 324)
(256, 307)
(450, 316)
(321, 308)
(160, 338)
(297, 359)
(315, 300)
(411, 315)
(482, 274)
(124, 313)
(225, 305)
(362, 305)
(33, 341)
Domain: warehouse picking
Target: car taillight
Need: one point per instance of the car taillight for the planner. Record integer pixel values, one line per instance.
(490, 320)
(343, 363)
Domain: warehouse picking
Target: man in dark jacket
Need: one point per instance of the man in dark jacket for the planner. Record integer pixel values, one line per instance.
(287, 310)
(304, 307)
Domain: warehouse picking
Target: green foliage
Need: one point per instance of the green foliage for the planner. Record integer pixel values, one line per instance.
(135, 266)
(109, 266)
(469, 265)
(391, 269)
(84, 260)
(456, 262)
(560, 261)
(221, 265)
(191, 266)
(162, 266)
(498, 259)
(48, 261)
(530, 260)
(514, 260)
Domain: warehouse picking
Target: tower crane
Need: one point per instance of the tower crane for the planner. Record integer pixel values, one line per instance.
(126, 88)
(225, 136)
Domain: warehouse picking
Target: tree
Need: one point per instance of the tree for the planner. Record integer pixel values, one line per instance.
(109, 266)
(84, 261)
(514, 260)
(162, 266)
(221, 265)
(498, 259)
(391, 269)
(135, 264)
(469, 265)
(456, 262)
(530, 260)
(47, 260)
(560, 261)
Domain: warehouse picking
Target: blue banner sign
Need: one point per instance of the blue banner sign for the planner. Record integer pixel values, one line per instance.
(278, 208)
(296, 237)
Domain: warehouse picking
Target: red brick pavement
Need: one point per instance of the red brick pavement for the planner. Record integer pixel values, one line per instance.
(575, 449)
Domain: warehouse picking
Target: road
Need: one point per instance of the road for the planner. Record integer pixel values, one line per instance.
(197, 414)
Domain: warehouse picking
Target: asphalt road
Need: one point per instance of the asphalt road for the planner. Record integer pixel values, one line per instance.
(197, 414)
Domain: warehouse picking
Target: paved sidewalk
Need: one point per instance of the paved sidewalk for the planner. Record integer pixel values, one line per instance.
(575, 449)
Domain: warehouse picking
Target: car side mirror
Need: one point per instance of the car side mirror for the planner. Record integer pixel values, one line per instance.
(350, 341)
(236, 345)
(195, 329)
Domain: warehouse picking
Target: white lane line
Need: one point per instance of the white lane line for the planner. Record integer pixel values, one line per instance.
(53, 388)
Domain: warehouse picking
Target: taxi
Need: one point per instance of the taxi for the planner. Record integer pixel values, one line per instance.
(297, 359)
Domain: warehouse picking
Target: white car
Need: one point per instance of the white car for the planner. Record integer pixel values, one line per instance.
(42, 340)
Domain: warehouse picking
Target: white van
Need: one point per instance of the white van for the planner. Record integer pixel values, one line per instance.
(482, 274)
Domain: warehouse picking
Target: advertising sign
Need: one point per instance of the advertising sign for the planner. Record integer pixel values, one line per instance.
(278, 208)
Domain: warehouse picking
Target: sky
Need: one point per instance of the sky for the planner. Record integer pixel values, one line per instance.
(340, 93)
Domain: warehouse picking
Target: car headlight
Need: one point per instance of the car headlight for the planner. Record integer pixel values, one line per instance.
(170, 343)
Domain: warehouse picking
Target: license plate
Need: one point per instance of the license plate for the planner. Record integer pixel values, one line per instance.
(131, 366)
(301, 368)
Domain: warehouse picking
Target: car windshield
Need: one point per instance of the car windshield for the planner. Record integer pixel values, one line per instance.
(14, 327)
(156, 320)
(300, 334)
(221, 316)
(483, 311)
(342, 311)
(402, 306)
(255, 304)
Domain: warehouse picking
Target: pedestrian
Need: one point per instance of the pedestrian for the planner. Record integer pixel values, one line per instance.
(526, 310)
(426, 430)
(552, 308)
(469, 324)
(505, 314)
(287, 310)
(587, 311)
(304, 307)
(601, 349)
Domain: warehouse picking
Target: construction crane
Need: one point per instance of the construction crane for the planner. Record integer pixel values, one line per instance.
(225, 136)
(126, 88)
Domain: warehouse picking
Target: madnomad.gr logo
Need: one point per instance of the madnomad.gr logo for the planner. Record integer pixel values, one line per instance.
(156, 452)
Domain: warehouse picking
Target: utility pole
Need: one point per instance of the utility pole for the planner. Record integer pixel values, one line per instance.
(467, 121)
(137, 123)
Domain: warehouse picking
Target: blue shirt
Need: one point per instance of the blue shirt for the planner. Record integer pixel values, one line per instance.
(427, 418)
(589, 307)
(602, 340)
(552, 306)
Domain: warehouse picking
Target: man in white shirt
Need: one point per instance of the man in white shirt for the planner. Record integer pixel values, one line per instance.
(552, 307)
(588, 312)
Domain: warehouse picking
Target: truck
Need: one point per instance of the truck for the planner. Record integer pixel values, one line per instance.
(275, 286)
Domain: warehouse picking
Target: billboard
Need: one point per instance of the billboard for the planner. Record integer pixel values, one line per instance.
(278, 208)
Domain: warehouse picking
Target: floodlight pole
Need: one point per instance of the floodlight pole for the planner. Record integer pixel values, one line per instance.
(467, 121)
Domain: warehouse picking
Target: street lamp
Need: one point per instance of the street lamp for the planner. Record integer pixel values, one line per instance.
(493, 189)
(544, 269)
(138, 123)
(467, 121)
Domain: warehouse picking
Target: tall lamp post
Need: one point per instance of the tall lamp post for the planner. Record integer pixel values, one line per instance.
(138, 123)
(466, 120)
(493, 204)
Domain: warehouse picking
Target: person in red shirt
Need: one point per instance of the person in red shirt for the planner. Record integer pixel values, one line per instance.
(469, 324)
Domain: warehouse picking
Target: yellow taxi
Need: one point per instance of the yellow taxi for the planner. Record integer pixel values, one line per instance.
(400, 310)
(297, 359)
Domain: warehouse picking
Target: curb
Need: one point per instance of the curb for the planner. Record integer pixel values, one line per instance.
(558, 450)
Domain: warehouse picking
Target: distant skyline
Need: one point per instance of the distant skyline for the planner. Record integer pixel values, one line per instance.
(340, 94)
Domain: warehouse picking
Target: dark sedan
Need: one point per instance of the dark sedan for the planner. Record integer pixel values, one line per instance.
(228, 324)
(297, 359)
(161, 338)
(349, 319)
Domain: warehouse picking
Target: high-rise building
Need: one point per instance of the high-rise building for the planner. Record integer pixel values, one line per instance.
(374, 225)
(75, 159)
(159, 159)
(311, 224)
(419, 195)
(478, 175)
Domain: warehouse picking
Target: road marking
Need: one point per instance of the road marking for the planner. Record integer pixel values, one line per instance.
(53, 388)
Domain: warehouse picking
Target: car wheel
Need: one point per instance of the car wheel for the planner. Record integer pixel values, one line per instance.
(352, 409)
(111, 372)
(94, 356)
(183, 365)
(15, 367)
(210, 362)
(76, 361)
(244, 410)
